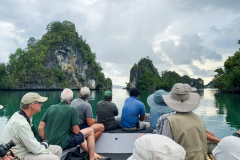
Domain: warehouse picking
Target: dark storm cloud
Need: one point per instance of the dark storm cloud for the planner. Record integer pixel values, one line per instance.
(190, 48)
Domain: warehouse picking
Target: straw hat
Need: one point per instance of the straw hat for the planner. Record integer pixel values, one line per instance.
(182, 99)
(157, 147)
(156, 102)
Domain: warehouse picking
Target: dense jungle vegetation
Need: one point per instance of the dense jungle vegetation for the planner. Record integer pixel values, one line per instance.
(227, 78)
(147, 77)
(28, 65)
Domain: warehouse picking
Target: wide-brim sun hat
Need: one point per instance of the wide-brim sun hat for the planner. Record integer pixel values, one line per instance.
(157, 147)
(156, 102)
(182, 99)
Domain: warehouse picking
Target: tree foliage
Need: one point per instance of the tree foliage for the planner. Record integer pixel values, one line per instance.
(147, 77)
(227, 78)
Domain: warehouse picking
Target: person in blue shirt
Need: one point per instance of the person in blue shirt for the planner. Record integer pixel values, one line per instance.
(133, 112)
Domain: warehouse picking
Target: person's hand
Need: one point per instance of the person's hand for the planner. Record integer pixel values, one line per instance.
(7, 157)
(211, 133)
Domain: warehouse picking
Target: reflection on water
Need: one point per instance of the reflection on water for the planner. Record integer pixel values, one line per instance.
(219, 111)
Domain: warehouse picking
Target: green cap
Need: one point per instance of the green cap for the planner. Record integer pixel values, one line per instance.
(107, 94)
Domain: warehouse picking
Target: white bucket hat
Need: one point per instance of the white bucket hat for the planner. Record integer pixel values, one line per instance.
(157, 147)
(182, 99)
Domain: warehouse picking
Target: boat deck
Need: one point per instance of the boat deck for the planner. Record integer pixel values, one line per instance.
(115, 156)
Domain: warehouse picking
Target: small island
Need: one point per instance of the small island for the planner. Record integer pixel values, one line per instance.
(61, 58)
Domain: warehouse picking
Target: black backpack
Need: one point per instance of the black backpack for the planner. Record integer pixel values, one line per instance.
(76, 155)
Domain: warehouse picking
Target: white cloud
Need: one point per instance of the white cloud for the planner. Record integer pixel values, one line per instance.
(191, 37)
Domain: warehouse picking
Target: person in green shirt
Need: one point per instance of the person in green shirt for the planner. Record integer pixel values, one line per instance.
(59, 125)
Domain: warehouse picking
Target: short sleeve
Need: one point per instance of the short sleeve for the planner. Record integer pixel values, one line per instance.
(44, 118)
(75, 120)
(89, 112)
(142, 110)
(115, 109)
(166, 131)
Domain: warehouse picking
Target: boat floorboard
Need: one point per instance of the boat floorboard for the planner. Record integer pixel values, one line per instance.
(117, 156)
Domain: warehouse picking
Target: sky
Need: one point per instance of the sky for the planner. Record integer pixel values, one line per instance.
(189, 37)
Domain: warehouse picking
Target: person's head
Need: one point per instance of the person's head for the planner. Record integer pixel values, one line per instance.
(181, 98)
(84, 92)
(156, 102)
(67, 95)
(134, 92)
(108, 95)
(32, 101)
(157, 147)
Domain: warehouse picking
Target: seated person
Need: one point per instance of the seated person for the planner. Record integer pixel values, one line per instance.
(19, 128)
(227, 149)
(106, 110)
(185, 127)
(59, 125)
(157, 107)
(84, 111)
(156, 147)
(132, 109)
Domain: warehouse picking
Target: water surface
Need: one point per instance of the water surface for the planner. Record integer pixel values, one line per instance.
(219, 111)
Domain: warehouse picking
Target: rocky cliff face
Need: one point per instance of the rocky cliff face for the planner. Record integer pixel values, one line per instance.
(197, 83)
(71, 61)
(140, 72)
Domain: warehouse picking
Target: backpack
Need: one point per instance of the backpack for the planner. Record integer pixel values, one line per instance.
(76, 155)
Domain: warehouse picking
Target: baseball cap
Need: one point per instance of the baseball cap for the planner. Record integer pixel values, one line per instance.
(107, 94)
(31, 97)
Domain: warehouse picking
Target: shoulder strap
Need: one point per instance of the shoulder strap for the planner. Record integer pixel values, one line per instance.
(36, 135)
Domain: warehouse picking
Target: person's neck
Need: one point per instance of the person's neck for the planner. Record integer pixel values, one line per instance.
(28, 113)
(84, 98)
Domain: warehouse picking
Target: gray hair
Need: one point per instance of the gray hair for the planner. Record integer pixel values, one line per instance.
(85, 92)
(66, 95)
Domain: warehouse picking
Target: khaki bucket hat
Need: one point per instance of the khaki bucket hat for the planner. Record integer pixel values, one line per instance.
(182, 99)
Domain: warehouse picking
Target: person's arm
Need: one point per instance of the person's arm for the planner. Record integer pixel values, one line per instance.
(213, 138)
(91, 121)
(211, 133)
(41, 129)
(75, 129)
(26, 136)
(141, 118)
(89, 115)
(142, 112)
(115, 110)
(167, 129)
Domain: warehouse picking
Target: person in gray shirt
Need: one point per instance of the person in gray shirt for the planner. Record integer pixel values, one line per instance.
(84, 111)
(106, 110)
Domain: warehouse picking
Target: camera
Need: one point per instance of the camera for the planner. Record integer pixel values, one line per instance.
(5, 148)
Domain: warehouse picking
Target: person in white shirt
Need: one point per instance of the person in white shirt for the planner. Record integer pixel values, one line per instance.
(19, 128)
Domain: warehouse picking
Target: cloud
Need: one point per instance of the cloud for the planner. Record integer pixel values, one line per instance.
(172, 33)
(190, 48)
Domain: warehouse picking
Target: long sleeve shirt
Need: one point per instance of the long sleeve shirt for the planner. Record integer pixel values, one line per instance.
(19, 130)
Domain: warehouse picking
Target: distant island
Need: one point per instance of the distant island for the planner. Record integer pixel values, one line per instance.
(146, 77)
(61, 58)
